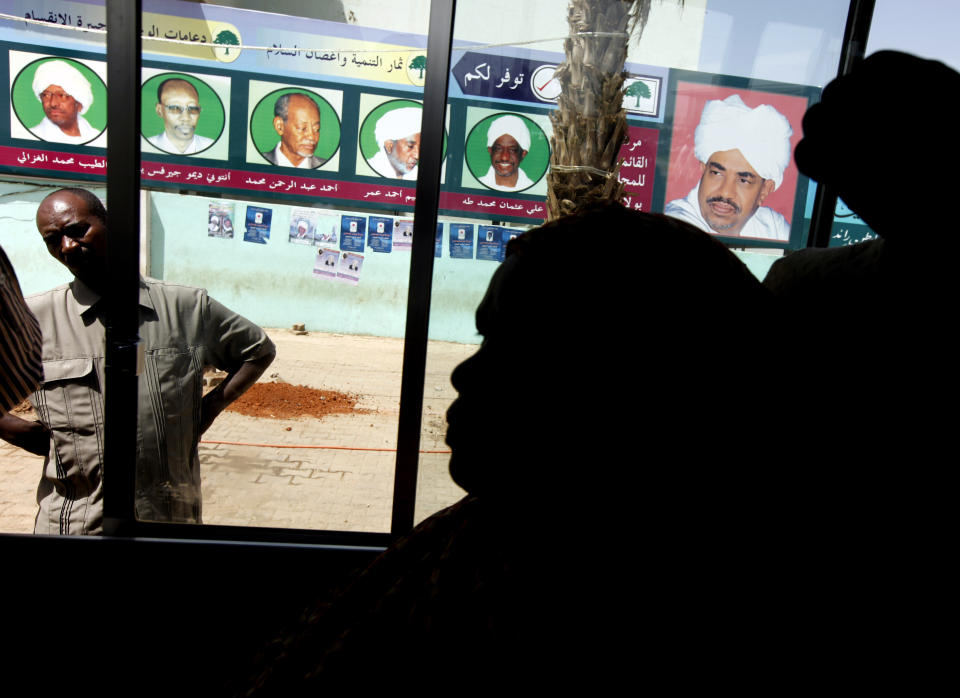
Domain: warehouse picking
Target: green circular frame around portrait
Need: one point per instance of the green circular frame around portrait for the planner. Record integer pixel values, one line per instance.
(368, 139)
(534, 165)
(265, 136)
(212, 115)
(29, 110)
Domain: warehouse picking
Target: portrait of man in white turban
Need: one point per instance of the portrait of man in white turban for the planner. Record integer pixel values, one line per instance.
(508, 141)
(65, 95)
(743, 153)
(398, 138)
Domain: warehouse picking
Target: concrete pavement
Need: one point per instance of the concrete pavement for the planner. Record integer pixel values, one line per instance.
(256, 480)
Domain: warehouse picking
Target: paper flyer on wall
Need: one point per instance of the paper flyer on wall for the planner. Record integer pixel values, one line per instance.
(220, 220)
(380, 233)
(327, 231)
(257, 224)
(438, 244)
(461, 240)
(353, 230)
(403, 234)
(489, 242)
(506, 235)
(303, 224)
(349, 269)
(325, 263)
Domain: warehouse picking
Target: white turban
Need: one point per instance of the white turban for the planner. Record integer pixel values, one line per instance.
(398, 123)
(66, 76)
(509, 126)
(762, 135)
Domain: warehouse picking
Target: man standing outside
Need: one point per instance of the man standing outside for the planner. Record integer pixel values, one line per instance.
(178, 104)
(508, 141)
(65, 96)
(398, 135)
(182, 330)
(743, 153)
(296, 119)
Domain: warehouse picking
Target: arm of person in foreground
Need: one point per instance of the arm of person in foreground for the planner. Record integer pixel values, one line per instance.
(30, 436)
(233, 386)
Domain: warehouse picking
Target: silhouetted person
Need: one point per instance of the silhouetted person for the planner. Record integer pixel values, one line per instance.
(609, 504)
(875, 317)
(873, 373)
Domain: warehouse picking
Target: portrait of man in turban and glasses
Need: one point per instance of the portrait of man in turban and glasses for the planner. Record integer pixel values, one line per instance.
(65, 95)
(743, 153)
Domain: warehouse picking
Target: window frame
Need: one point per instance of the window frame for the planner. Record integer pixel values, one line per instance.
(123, 59)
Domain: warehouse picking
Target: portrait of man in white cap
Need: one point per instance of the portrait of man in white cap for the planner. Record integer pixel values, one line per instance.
(178, 104)
(65, 95)
(743, 153)
(398, 138)
(508, 141)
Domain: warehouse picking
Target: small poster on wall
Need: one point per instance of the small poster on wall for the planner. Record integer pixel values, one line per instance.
(325, 263)
(327, 231)
(488, 242)
(349, 270)
(303, 224)
(380, 233)
(220, 220)
(258, 225)
(438, 244)
(506, 235)
(403, 234)
(353, 231)
(461, 240)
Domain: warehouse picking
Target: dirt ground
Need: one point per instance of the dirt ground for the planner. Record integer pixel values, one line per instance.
(310, 446)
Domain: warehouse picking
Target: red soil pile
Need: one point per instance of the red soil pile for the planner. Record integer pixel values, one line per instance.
(286, 401)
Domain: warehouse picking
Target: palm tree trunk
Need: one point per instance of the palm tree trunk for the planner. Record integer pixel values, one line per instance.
(589, 125)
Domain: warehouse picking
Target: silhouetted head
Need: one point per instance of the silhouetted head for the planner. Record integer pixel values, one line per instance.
(588, 368)
(898, 179)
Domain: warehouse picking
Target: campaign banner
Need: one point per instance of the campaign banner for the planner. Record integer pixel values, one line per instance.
(317, 113)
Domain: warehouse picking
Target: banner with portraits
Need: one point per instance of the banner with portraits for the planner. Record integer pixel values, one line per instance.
(319, 113)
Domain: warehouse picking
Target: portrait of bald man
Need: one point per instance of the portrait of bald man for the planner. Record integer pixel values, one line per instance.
(508, 141)
(65, 95)
(398, 140)
(743, 153)
(178, 104)
(296, 119)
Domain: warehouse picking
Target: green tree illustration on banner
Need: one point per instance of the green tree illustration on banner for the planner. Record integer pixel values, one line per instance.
(638, 89)
(419, 63)
(227, 37)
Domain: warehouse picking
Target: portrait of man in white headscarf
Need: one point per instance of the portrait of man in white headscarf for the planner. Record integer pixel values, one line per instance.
(398, 140)
(508, 142)
(743, 153)
(65, 95)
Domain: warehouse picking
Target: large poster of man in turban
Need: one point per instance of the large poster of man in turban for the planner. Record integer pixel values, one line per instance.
(731, 170)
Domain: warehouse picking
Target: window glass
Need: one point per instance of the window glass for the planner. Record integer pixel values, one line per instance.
(925, 28)
(731, 54)
(279, 162)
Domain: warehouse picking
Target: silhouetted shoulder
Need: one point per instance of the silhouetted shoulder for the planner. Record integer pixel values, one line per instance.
(816, 273)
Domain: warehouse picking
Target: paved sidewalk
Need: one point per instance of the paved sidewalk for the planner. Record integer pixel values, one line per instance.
(262, 483)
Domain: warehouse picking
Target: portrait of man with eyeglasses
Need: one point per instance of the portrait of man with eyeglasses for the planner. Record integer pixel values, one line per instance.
(65, 95)
(178, 104)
